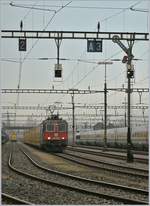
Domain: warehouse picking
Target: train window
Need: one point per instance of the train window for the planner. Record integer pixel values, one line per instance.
(44, 127)
(78, 135)
(50, 127)
(62, 127)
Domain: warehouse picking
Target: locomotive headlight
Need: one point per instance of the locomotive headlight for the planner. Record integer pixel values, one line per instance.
(49, 138)
(63, 138)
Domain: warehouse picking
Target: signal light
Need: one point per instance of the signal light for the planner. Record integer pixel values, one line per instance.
(125, 59)
(130, 73)
(58, 71)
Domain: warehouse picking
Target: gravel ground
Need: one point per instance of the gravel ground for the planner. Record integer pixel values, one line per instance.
(115, 170)
(37, 192)
(66, 166)
(111, 160)
(68, 181)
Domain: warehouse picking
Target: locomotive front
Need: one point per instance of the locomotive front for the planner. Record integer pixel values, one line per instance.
(55, 133)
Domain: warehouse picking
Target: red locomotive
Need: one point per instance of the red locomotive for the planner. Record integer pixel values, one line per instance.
(51, 134)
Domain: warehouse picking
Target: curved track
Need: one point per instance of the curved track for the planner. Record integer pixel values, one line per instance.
(140, 173)
(77, 189)
(114, 186)
(111, 149)
(108, 153)
(8, 199)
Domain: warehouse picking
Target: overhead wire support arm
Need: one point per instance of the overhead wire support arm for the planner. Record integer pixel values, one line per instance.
(65, 91)
(66, 107)
(73, 35)
(58, 43)
(132, 90)
(52, 91)
(116, 39)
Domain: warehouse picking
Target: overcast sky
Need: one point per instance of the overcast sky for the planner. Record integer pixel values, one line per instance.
(78, 73)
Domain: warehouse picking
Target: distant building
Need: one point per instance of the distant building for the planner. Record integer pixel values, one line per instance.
(100, 125)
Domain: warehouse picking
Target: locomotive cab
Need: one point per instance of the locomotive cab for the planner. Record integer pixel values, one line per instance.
(50, 135)
(55, 133)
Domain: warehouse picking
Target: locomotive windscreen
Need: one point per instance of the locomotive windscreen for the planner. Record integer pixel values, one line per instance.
(61, 126)
(50, 127)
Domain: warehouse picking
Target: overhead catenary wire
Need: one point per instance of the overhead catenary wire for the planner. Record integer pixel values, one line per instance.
(139, 10)
(31, 7)
(20, 60)
(28, 12)
(93, 68)
(116, 76)
(46, 28)
(87, 61)
(34, 44)
(77, 0)
(105, 19)
(20, 71)
(122, 11)
(40, 7)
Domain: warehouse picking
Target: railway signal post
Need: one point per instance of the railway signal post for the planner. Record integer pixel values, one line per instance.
(73, 121)
(73, 115)
(130, 74)
(58, 66)
(105, 105)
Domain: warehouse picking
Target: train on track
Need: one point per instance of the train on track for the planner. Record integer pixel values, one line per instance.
(50, 135)
(116, 137)
(4, 136)
(13, 137)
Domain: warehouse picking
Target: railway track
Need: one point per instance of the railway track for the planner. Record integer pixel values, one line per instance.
(8, 199)
(106, 154)
(110, 149)
(139, 173)
(80, 189)
(100, 183)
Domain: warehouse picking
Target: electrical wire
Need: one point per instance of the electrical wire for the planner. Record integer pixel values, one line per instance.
(25, 16)
(28, 7)
(46, 28)
(40, 7)
(139, 10)
(105, 19)
(20, 71)
(21, 63)
(120, 12)
(92, 68)
(77, 0)
(52, 18)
